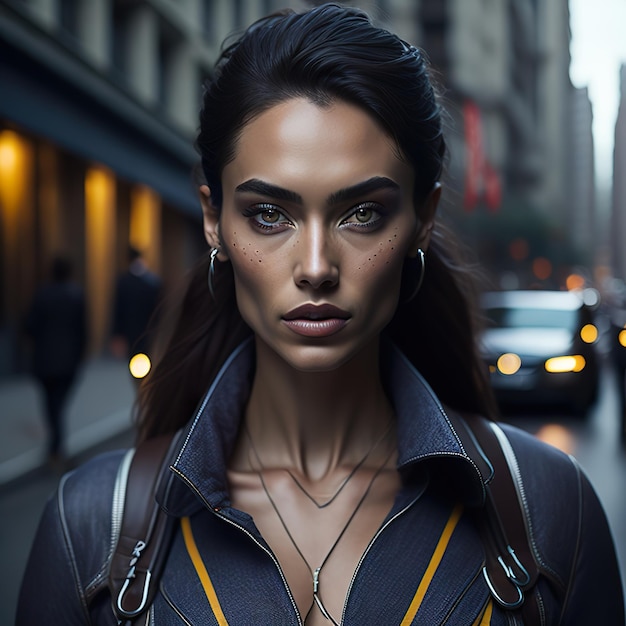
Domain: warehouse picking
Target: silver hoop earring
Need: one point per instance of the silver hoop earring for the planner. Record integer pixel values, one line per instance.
(212, 257)
(420, 280)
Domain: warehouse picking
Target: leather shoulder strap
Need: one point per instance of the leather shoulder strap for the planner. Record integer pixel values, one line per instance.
(145, 533)
(510, 570)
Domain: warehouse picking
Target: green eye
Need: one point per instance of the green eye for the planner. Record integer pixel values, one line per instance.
(363, 214)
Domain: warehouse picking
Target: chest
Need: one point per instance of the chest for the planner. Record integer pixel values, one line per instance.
(422, 567)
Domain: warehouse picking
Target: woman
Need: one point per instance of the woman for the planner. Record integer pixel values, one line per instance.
(320, 479)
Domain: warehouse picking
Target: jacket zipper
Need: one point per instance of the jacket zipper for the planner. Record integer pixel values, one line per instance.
(252, 537)
(371, 543)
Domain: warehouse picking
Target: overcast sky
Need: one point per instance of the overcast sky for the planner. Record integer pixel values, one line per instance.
(598, 48)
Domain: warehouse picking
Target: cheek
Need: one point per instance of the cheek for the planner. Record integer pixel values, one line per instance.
(254, 274)
(384, 261)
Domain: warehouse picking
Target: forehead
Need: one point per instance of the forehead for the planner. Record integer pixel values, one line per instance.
(298, 143)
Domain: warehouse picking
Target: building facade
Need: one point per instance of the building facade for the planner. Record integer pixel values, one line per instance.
(98, 114)
(100, 103)
(618, 204)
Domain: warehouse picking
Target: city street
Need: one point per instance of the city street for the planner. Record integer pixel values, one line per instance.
(593, 442)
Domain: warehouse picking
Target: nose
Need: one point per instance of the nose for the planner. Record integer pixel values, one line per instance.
(315, 264)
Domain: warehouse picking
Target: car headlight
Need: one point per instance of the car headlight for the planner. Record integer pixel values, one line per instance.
(508, 363)
(561, 364)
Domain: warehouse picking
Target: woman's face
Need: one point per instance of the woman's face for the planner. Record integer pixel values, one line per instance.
(317, 220)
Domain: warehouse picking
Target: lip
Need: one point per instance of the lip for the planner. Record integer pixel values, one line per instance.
(316, 320)
(316, 312)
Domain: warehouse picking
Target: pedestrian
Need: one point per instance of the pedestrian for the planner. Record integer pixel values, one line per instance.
(137, 295)
(324, 354)
(57, 325)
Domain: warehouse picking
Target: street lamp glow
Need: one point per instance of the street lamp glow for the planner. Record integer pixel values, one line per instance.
(139, 365)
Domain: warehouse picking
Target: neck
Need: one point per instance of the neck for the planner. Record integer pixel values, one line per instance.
(314, 422)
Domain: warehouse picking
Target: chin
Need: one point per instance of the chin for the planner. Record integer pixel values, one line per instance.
(319, 358)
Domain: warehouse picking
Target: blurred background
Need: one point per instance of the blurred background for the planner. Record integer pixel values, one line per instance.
(99, 103)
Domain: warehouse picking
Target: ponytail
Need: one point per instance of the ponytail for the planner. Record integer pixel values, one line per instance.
(202, 334)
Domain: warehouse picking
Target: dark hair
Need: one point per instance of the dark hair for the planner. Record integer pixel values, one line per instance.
(327, 53)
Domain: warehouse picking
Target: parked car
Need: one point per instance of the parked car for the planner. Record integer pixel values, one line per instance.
(540, 348)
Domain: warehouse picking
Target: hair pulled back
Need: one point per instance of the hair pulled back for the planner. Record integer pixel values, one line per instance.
(328, 53)
(325, 54)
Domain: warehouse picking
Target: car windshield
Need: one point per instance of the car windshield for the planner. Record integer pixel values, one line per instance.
(504, 317)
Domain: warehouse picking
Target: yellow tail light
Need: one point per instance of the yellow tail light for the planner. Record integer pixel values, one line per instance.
(589, 333)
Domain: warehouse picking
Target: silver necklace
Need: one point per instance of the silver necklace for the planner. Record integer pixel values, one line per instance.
(346, 480)
(315, 573)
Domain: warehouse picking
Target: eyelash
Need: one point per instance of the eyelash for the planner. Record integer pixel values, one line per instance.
(372, 224)
(255, 211)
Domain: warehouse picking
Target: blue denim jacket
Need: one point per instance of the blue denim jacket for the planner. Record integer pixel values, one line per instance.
(423, 566)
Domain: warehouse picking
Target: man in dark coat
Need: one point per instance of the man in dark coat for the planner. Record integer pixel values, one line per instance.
(136, 298)
(57, 324)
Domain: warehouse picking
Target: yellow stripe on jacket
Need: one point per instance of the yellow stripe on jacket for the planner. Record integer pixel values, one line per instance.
(203, 575)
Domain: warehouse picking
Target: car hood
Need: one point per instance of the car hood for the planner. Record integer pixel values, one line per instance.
(538, 342)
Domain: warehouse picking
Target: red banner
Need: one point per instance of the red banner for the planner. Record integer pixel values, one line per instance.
(482, 181)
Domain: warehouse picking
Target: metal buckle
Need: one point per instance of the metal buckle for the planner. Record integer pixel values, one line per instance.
(137, 550)
(517, 581)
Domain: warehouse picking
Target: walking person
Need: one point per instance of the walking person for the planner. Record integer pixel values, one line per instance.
(137, 294)
(324, 383)
(57, 325)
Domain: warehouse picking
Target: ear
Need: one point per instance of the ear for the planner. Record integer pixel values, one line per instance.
(426, 217)
(211, 221)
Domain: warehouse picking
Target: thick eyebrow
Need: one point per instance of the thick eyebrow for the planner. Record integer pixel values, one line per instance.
(360, 189)
(255, 185)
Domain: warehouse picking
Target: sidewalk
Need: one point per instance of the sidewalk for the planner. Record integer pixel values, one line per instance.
(98, 408)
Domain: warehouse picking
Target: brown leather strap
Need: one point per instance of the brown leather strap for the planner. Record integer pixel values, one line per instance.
(144, 535)
(510, 571)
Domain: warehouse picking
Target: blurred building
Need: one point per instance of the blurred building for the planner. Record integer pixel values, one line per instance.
(520, 140)
(581, 216)
(98, 110)
(618, 212)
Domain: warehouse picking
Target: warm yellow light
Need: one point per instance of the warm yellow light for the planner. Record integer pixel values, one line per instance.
(557, 436)
(15, 172)
(509, 363)
(622, 337)
(9, 150)
(139, 365)
(145, 224)
(561, 364)
(588, 333)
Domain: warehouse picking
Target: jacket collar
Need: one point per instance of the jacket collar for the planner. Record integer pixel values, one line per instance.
(426, 433)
